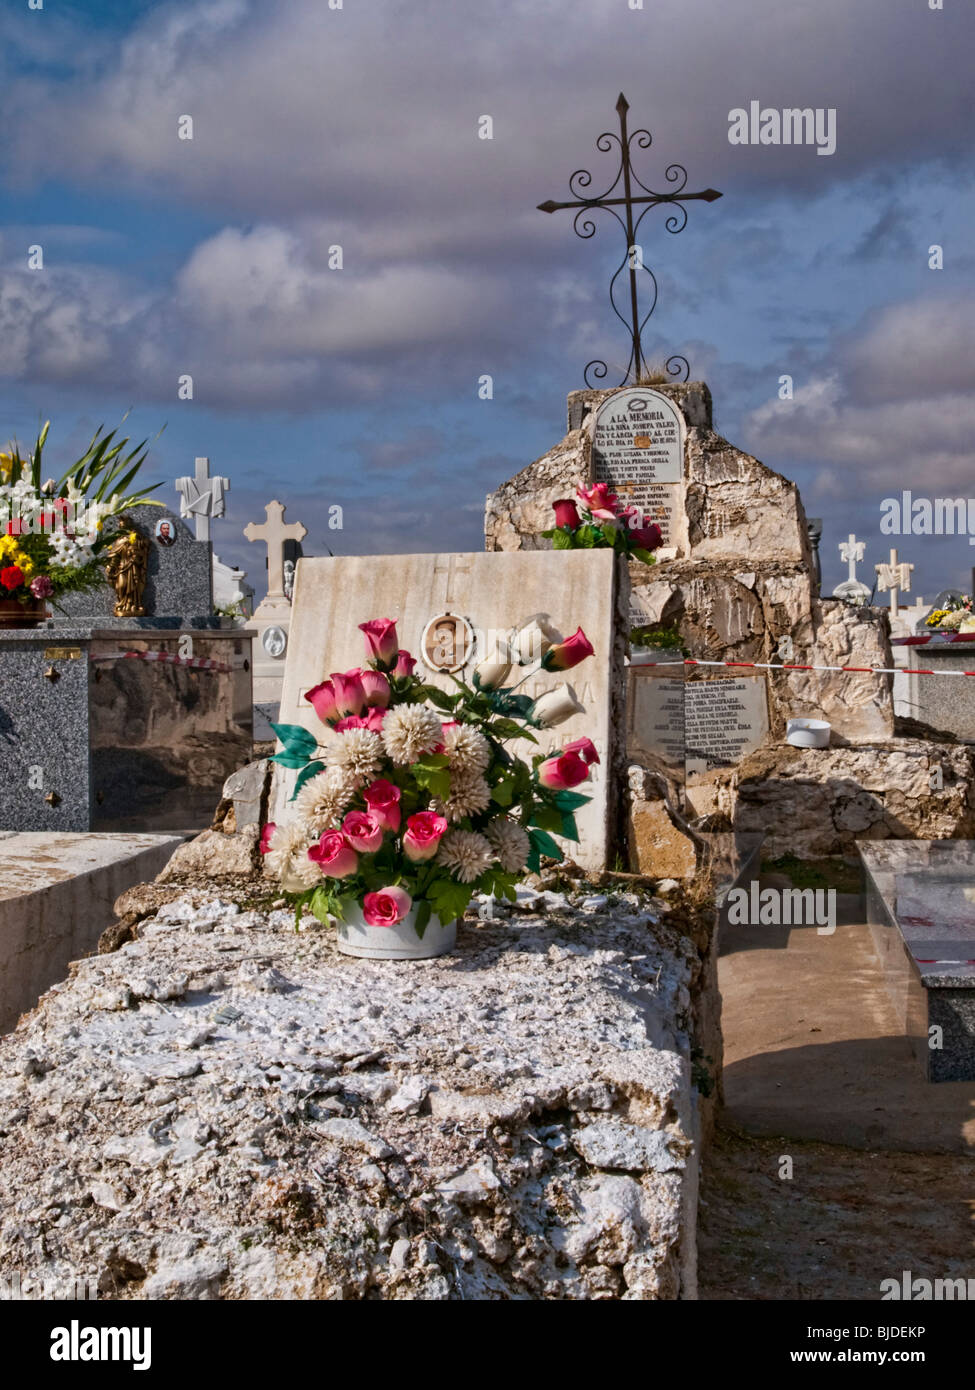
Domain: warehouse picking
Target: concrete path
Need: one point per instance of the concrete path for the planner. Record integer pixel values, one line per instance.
(813, 1049)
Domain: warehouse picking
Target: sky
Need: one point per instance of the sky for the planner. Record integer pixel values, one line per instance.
(358, 126)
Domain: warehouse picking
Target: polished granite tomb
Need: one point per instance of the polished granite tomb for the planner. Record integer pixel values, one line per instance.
(921, 909)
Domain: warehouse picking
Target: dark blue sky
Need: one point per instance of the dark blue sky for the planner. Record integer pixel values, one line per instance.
(315, 127)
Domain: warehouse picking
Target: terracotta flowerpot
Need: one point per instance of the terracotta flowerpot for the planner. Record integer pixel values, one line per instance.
(357, 938)
(14, 614)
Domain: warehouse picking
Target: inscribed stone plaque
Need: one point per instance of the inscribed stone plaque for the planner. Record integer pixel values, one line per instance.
(725, 719)
(638, 442)
(495, 592)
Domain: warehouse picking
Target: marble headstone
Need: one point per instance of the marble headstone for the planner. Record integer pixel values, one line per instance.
(490, 592)
(179, 585)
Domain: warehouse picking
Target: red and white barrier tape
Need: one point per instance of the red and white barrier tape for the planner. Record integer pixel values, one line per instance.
(197, 663)
(796, 666)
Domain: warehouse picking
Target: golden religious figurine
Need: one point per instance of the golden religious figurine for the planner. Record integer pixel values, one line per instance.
(127, 568)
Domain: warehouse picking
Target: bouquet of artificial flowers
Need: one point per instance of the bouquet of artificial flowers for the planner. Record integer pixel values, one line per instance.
(51, 533)
(954, 617)
(594, 520)
(413, 799)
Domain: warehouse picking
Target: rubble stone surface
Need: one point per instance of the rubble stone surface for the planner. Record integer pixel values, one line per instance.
(227, 1108)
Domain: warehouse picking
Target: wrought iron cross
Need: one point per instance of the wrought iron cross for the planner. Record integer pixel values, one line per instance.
(676, 222)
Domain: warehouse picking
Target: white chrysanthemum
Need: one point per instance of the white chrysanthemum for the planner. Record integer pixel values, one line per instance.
(359, 752)
(324, 798)
(469, 793)
(510, 843)
(287, 859)
(409, 731)
(467, 748)
(465, 853)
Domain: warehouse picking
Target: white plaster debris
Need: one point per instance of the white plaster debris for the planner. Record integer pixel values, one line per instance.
(225, 1108)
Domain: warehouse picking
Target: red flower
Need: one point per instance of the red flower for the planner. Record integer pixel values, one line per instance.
(566, 513)
(647, 537)
(12, 577)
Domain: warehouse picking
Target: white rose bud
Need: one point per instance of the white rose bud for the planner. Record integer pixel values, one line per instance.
(555, 707)
(493, 670)
(533, 639)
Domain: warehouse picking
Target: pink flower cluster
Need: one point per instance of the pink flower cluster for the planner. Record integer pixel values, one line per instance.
(602, 509)
(358, 699)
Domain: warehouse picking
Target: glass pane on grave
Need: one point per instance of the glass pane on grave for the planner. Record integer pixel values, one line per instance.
(655, 705)
(165, 736)
(726, 717)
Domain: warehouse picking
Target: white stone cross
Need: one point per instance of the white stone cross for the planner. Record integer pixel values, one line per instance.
(895, 577)
(202, 497)
(450, 566)
(274, 533)
(852, 550)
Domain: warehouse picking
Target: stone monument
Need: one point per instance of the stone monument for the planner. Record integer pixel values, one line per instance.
(272, 617)
(737, 581)
(442, 602)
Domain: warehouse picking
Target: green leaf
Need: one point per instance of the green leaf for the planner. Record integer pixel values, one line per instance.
(544, 843)
(422, 916)
(289, 759)
(562, 540)
(585, 537)
(449, 899)
(310, 770)
(435, 780)
(570, 801)
(436, 696)
(569, 830)
(646, 556)
(296, 739)
(547, 818)
(320, 905)
(504, 792)
(432, 760)
(507, 728)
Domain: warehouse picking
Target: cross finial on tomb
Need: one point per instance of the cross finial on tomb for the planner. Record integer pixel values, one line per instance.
(274, 533)
(633, 197)
(895, 576)
(851, 552)
(202, 497)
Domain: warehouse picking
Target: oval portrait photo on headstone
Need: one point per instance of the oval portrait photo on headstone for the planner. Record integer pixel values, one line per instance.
(447, 642)
(165, 532)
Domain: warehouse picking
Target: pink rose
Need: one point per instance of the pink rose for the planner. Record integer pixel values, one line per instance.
(424, 831)
(585, 748)
(598, 498)
(566, 513)
(267, 834)
(41, 586)
(322, 700)
(563, 772)
(362, 831)
(349, 695)
(376, 689)
(404, 664)
(381, 639)
(564, 655)
(383, 799)
(387, 907)
(333, 855)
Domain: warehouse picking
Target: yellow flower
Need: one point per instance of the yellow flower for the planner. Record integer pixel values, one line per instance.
(133, 537)
(6, 465)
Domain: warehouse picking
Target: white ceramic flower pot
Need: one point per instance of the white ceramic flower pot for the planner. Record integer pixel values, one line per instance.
(357, 938)
(808, 733)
